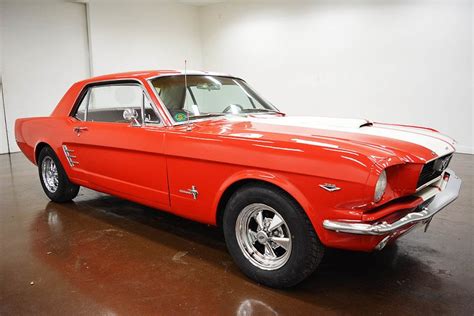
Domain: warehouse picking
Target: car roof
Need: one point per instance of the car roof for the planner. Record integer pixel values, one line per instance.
(148, 74)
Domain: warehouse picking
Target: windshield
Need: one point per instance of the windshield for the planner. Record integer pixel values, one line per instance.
(208, 96)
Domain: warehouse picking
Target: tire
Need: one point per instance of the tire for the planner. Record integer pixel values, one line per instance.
(288, 265)
(59, 188)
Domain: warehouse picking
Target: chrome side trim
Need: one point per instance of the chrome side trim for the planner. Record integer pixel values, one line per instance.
(70, 158)
(447, 194)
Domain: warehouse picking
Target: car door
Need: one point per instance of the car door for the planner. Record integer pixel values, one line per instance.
(115, 143)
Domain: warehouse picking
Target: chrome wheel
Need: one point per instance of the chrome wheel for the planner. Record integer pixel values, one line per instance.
(263, 236)
(49, 173)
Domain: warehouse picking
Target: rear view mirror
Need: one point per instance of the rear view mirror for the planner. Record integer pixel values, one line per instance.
(208, 86)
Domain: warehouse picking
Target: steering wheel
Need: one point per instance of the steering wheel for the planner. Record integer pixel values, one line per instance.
(227, 109)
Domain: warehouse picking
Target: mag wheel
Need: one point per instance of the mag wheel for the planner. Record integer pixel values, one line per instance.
(270, 237)
(49, 174)
(263, 236)
(53, 178)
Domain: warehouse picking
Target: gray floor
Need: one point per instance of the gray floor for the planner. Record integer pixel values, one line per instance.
(104, 255)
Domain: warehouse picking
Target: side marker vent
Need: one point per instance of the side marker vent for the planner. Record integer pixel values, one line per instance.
(69, 156)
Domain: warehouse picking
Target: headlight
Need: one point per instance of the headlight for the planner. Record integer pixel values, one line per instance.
(380, 187)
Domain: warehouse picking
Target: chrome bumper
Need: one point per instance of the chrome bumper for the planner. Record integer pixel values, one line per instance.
(448, 193)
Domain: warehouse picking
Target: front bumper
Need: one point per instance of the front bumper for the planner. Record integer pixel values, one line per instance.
(447, 192)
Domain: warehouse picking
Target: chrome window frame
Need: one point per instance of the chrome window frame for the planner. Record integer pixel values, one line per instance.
(115, 82)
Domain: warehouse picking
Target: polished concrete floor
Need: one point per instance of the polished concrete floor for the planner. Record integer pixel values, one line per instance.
(104, 255)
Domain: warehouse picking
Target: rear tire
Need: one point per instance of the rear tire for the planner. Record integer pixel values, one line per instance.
(270, 237)
(54, 179)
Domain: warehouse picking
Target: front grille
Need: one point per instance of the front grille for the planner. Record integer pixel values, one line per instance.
(433, 169)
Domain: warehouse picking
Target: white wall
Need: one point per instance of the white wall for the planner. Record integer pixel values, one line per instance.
(3, 134)
(1, 39)
(46, 47)
(143, 35)
(472, 74)
(44, 52)
(394, 61)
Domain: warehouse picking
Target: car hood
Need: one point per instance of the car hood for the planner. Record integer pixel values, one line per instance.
(379, 140)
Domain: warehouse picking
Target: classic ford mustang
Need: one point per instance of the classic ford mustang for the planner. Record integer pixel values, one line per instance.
(207, 147)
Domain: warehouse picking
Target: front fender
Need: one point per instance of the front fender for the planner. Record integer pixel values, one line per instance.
(274, 178)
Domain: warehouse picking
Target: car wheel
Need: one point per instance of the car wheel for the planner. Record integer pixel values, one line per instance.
(54, 179)
(270, 237)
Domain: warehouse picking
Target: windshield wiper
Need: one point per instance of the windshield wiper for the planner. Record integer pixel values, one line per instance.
(207, 115)
(262, 111)
(246, 111)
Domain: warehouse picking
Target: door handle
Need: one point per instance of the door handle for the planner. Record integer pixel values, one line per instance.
(79, 129)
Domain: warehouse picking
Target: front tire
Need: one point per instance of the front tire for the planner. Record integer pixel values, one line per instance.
(54, 179)
(270, 237)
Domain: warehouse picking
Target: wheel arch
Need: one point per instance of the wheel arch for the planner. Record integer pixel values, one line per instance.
(39, 146)
(248, 177)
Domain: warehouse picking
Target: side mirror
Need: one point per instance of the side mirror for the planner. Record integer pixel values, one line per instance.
(131, 115)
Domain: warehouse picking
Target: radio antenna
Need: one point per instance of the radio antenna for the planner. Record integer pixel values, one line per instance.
(188, 126)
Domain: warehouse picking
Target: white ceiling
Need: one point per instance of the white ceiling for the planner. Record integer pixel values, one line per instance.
(209, 2)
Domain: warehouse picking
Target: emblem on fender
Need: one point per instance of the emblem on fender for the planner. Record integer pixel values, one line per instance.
(193, 191)
(329, 187)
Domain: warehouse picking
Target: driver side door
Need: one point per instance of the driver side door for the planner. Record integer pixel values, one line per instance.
(113, 154)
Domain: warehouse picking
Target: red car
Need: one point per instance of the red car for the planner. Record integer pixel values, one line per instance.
(207, 147)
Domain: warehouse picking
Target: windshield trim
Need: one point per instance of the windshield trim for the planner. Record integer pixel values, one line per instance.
(168, 114)
(192, 73)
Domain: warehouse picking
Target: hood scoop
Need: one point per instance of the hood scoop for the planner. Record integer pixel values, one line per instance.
(367, 124)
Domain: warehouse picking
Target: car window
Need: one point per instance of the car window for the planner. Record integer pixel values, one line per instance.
(150, 114)
(206, 96)
(107, 103)
(211, 101)
(81, 110)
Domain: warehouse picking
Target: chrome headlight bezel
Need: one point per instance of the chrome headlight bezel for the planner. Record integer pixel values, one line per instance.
(380, 186)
